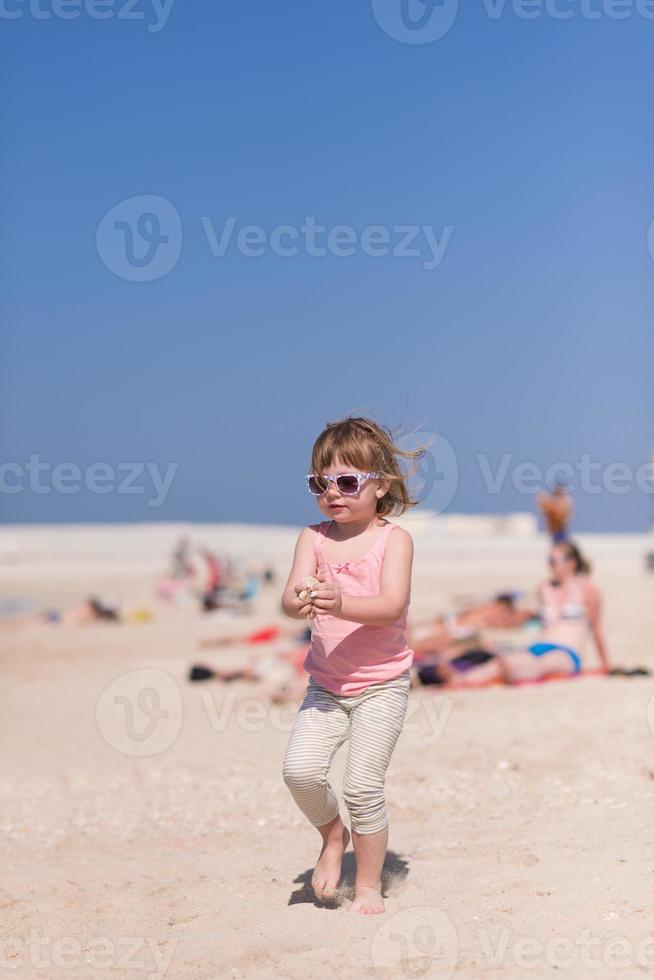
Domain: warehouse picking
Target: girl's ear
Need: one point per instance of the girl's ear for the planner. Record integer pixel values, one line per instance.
(383, 488)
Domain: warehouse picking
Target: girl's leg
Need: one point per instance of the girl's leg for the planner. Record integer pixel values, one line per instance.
(375, 725)
(320, 727)
(370, 851)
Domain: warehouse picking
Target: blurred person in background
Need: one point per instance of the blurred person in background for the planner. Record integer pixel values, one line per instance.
(570, 612)
(556, 508)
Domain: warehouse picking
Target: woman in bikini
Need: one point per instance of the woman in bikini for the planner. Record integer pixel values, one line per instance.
(570, 610)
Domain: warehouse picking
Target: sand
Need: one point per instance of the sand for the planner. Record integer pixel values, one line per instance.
(520, 839)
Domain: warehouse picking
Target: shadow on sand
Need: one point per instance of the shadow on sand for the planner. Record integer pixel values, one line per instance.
(394, 873)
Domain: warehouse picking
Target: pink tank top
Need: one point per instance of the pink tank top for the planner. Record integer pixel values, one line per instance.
(347, 657)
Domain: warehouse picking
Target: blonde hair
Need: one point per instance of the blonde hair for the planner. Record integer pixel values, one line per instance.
(369, 447)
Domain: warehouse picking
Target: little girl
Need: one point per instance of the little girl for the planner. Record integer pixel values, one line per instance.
(359, 662)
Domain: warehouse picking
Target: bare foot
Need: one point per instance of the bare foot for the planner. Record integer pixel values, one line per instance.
(368, 901)
(327, 872)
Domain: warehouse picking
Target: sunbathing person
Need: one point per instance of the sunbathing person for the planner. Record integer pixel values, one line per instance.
(457, 669)
(93, 610)
(280, 674)
(570, 611)
(443, 634)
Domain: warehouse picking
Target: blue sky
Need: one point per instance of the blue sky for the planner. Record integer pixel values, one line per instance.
(524, 146)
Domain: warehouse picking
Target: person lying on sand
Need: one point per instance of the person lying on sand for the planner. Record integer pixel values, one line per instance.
(94, 610)
(439, 635)
(570, 611)
(452, 670)
(280, 674)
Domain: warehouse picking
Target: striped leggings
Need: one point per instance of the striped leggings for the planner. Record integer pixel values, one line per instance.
(372, 720)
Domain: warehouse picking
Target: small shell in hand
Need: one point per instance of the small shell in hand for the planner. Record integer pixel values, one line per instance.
(308, 593)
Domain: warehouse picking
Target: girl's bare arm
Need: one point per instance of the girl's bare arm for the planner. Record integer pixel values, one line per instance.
(304, 563)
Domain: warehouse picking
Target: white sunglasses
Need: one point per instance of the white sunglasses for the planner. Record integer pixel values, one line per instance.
(348, 484)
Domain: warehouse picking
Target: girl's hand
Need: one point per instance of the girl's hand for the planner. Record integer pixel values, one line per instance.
(327, 597)
(302, 607)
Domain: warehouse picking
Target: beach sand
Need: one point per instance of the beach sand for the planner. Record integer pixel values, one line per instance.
(520, 819)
